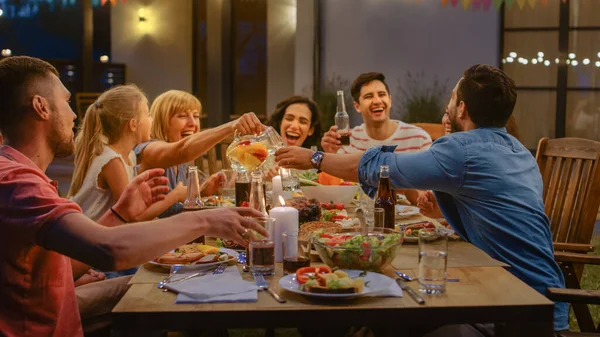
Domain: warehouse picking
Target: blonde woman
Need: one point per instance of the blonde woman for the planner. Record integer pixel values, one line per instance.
(175, 139)
(104, 158)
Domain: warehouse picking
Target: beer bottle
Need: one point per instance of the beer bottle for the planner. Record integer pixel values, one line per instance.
(385, 197)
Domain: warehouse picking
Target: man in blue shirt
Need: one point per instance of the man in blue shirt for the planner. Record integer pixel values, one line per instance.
(487, 184)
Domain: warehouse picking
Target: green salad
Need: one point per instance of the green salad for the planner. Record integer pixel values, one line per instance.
(356, 251)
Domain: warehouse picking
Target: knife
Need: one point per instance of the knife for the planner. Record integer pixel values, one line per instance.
(411, 292)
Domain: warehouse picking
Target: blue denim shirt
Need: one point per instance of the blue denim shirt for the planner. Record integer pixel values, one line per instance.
(489, 188)
(173, 179)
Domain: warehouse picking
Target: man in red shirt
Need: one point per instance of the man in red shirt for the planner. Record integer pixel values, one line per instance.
(41, 231)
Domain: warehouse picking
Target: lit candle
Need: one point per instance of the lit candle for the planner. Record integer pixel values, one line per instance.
(286, 220)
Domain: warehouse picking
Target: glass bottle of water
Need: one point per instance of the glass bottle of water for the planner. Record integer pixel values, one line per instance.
(193, 201)
(257, 194)
(342, 121)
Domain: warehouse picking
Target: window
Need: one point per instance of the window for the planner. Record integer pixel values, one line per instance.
(553, 54)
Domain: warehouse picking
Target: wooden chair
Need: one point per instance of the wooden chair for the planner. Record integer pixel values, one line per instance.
(212, 158)
(571, 177)
(435, 130)
(83, 100)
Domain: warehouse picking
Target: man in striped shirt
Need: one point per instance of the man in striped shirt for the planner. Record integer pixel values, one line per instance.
(373, 101)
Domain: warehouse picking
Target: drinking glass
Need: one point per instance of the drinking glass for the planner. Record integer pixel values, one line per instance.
(227, 188)
(262, 249)
(289, 179)
(378, 219)
(296, 253)
(433, 260)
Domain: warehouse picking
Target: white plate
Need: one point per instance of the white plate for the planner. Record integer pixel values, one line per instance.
(229, 252)
(377, 282)
(406, 211)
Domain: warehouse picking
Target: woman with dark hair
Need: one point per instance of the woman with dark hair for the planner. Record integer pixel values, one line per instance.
(296, 118)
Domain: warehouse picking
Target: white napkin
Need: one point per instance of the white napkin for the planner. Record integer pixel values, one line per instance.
(393, 291)
(226, 287)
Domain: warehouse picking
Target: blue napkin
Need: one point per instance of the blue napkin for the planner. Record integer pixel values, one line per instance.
(220, 288)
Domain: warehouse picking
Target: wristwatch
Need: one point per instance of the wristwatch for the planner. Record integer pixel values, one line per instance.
(316, 159)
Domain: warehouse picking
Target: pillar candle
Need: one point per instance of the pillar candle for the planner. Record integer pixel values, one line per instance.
(277, 190)
(286, 220)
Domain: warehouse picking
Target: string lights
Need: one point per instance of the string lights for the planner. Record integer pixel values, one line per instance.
(570, 60)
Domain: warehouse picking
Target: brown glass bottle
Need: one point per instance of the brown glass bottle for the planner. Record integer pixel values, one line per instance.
(385, 197)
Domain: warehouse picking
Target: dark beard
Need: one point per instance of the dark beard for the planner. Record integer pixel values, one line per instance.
(454, 126)
(62, 144)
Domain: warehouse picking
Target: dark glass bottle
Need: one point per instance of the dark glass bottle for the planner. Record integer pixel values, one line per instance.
(385, 197)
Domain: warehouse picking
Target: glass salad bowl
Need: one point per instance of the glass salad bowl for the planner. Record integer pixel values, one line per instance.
(373, 252)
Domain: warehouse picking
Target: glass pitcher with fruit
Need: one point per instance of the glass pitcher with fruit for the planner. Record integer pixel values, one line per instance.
(248, 153)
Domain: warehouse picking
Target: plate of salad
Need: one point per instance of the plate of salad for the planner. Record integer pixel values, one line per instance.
(322, 282)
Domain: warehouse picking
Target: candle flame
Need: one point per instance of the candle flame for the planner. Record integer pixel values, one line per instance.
(282, 201)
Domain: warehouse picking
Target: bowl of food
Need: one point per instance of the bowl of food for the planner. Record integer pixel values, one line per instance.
(371, 252)
(336, 194)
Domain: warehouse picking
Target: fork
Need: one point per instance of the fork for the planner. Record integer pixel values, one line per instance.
(263, 285)
(219, 270)
(168, 278)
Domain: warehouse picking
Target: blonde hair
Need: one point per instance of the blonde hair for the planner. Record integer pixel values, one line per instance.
(165, 106)
(103, 124)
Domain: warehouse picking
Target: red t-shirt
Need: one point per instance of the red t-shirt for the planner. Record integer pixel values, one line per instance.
(37, 295)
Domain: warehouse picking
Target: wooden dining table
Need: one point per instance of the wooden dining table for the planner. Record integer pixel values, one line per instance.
(485, 293)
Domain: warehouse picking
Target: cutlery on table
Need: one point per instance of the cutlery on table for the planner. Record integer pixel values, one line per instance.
(405, 277)
(174, 271)
(219, 270)
(263, 285)
(411, 292)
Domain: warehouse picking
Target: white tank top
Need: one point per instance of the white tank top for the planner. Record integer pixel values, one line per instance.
(95, 201)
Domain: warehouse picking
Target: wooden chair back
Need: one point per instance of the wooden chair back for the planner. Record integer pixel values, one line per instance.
(435, 130)
(213, 158)
(83, 100)
(571, 175)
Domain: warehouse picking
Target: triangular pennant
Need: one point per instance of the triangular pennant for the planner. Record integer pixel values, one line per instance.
(521, 3)
(454, 3)
(544, 2)
(113, 2)
(509, 3)
(531, 3)
(444, 2)
(103, 2)
(498, 3)
(466, 4)
(487, 4)
(476, 4)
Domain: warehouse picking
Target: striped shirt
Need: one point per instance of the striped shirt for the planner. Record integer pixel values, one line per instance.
(407, 137)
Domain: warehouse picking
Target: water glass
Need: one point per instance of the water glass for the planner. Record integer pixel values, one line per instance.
(433, 260)
(289, 179)
(296, 253)
(261, 257)
(227, 188)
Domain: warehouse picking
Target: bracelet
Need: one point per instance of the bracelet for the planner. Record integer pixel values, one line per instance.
(117, 215)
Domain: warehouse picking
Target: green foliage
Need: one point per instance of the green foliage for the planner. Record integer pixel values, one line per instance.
(419, 101)
(326, 99)
(590, 280)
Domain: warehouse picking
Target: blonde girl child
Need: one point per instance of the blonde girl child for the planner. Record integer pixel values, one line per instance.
(104, 160)
(175, 139)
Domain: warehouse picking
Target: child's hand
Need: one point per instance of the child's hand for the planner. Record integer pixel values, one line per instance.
(180, 192)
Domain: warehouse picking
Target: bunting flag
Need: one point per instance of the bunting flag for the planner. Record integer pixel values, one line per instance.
(454, 3)
(509, 3)
(521, 3)
(498, 3)
(532, 3)
(487, 4)
(476, 4)
(544, 2)
(466, 3)
(444, 2)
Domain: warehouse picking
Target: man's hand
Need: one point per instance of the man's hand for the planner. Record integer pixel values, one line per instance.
(248, 124)
(294, 157)
(213, 183)
(428, 205)
(272, 172)
(331, 140)
(144, 190)
(232, 223)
